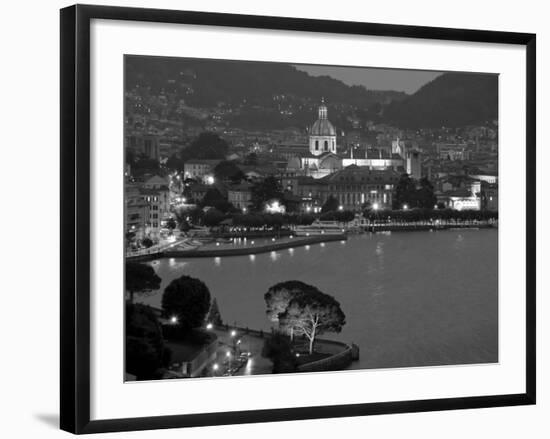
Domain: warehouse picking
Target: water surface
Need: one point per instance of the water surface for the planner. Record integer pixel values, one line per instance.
(410, 298)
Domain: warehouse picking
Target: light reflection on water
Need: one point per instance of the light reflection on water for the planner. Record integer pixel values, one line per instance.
(410, 298)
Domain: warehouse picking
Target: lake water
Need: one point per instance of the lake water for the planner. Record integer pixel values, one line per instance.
(410, 298)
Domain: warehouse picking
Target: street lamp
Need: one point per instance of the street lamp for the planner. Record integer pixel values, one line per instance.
(233, 333)
(375, 206)
(340, 207)
(228, 355)
(174, 320)
(405, 207)
(209, 326)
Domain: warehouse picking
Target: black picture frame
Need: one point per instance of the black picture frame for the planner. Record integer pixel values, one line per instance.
(75, 217)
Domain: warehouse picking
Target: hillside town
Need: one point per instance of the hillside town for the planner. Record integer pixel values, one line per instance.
(258, 178)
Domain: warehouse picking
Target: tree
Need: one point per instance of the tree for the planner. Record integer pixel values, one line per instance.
(278, 298)
(206, 146)
(145, 351)
(264, 191)
(140, 278)
(228, 171)
(213, 217)
(331, 205)
(147, 242)
(312, 314)
(214, 315)
(278, 348)
(176, 163)
(171, 224)
(187, 299)
(425, 197)
(405, 192)
(344, 216)
(212, 197)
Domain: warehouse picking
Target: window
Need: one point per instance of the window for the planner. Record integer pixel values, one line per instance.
(326, 145)
(316, 145)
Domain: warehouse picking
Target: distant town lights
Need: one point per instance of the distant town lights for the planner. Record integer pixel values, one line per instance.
(375, 206)
(174, 320)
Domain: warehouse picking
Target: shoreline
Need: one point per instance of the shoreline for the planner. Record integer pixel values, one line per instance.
(211, 253)
(298, 242)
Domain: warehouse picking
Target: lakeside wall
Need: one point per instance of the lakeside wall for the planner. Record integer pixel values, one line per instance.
(425, 227)
(338, 361)
(295, 242)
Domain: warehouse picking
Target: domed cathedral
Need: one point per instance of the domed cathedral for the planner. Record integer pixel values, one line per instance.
(321, 159)
(322, 136)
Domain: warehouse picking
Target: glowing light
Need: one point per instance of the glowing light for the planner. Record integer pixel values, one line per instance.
(174, 320)
(184, 200)
(210, 180)
(340, 207)
(217, 244)
(273, 239)
(215, 366)
(244, 209)
(217, 261)
(275, 207)
(252, 242)
(233, 333)
(297, 354)
(405, 207)
(375, 206)
(228, 354)
(252, 258)
(209, 326)
(322, 244)
(307, 247)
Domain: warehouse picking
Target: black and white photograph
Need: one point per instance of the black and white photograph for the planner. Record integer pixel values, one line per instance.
(296, 218)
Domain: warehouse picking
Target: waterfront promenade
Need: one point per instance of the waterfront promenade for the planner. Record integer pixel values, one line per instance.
(208, 251)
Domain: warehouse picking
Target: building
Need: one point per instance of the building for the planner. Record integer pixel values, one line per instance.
(323, 159)
(147, 145)
(460, 199)
(489, 196)
(200, 169)
(354, 186)
(240, 195)
(322, 135)
(136, 212)
(156, 193)
(453, 151)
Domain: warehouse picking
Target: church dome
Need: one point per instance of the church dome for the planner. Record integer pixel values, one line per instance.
(322, 127)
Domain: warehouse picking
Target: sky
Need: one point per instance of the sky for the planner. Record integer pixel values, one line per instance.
(408, 81)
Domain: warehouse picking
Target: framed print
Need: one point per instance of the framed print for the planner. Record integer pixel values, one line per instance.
(268, 218)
